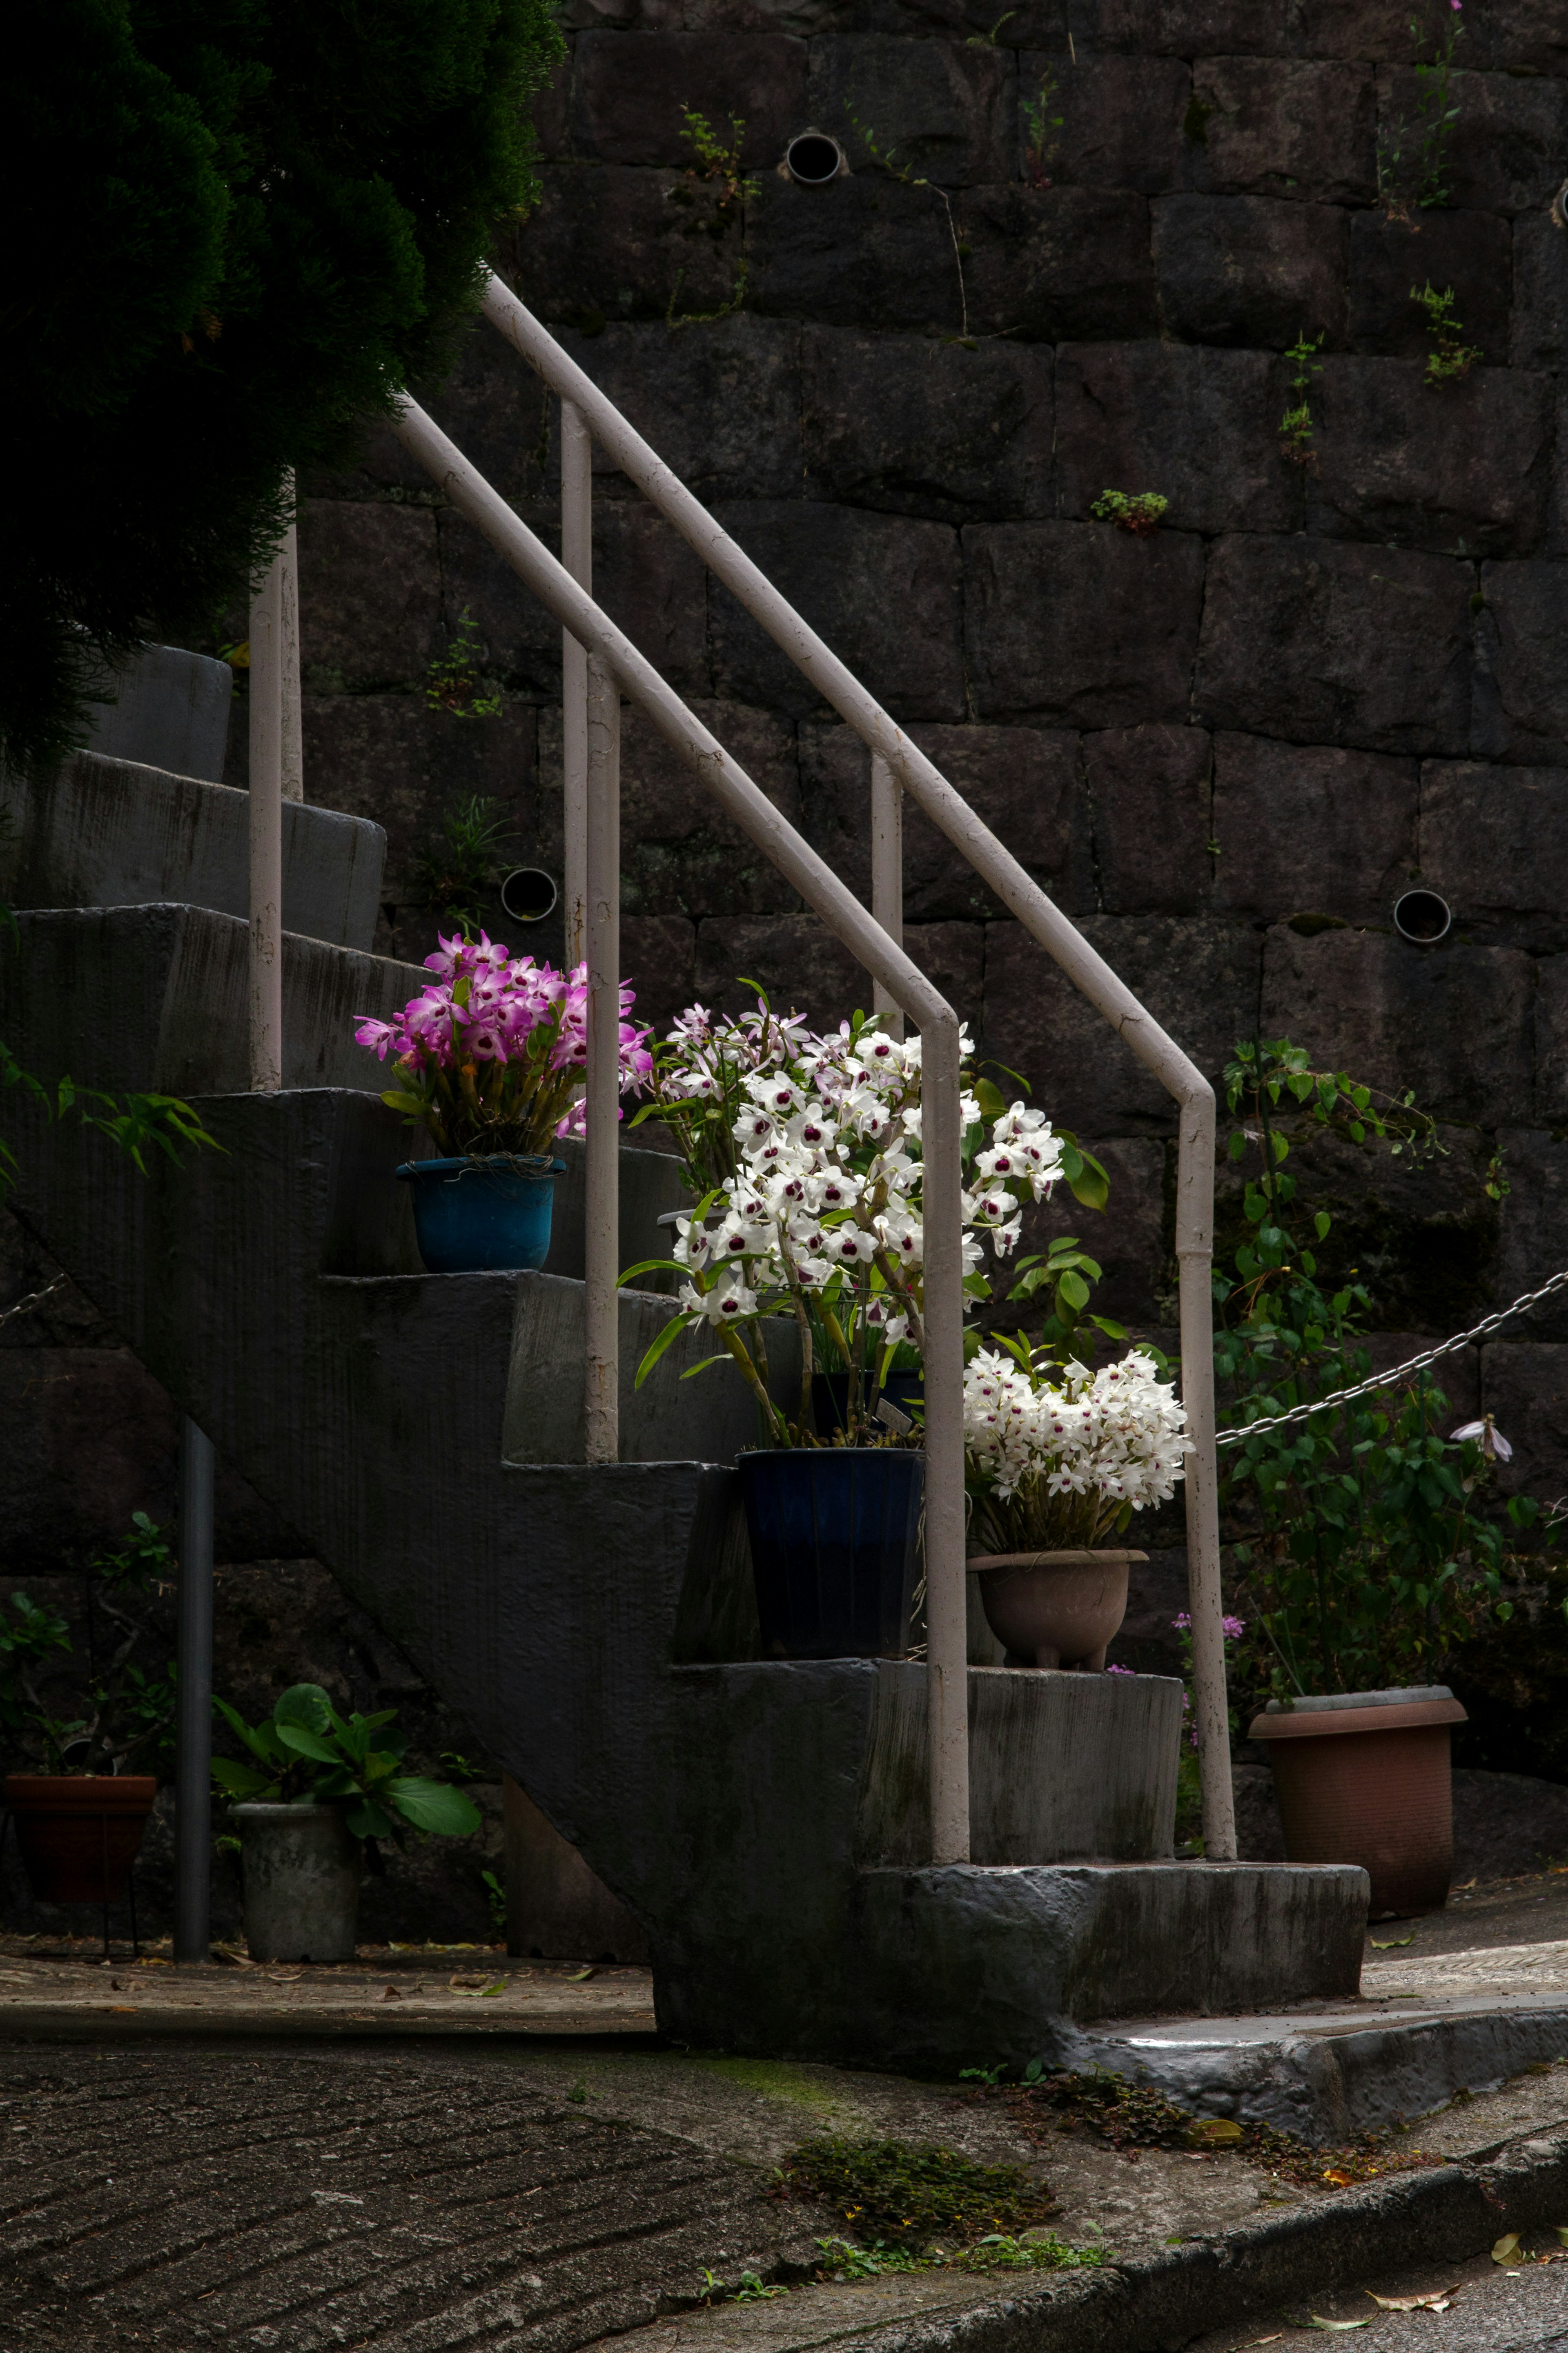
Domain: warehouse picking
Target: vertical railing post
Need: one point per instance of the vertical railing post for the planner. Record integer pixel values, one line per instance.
(947, 1644)
(1206, 1601)
(577, 556)
(888, 875)
(270, 646)
(193, 1687)
(602, 1094)
(292, 770)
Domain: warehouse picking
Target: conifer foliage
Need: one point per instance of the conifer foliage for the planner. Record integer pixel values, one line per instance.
(236, 229)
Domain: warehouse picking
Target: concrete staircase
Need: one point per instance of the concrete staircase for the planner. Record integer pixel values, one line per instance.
(764, 1820)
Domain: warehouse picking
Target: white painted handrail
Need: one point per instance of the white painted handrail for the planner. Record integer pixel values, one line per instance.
(749, 808)
(1045, 920)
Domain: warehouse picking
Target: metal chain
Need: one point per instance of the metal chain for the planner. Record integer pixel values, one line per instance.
(1396, 1372)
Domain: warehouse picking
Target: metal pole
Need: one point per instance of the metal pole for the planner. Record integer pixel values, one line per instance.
(194, 1723)
(749, 806)
(888, 873)
(1023, 897)
(602, 1097)
(268, 642)
(577, 556)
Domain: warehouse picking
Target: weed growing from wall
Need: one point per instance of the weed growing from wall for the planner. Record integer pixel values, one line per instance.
(884, 157)
(1295, 425)
(1137, 511)
(1453, 356)
(462, 864)
(454, 682)
(715, 165)
(1412, 152)
(1040, 146)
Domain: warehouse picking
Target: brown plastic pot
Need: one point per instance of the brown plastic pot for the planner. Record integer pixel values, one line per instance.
(79, 1832)
(1365, 1777)
(1053, 1608)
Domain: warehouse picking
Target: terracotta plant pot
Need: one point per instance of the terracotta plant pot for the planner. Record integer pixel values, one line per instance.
(79, 1832)
(1053, 1608)
(1364, 1777)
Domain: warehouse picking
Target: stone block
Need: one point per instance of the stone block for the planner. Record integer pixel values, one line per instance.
(1323, 642)
(1039, 23)
(1540, 294)
(679, 855)
(1557, 500)
(1469, 251)
(370, 592)
(1458, 1376)
(942, 110)
(1532, 1228)
(1552, 1041)
(1152, 791)
(1250, 270)
(1278, 127)
(804, 969)
(608, 241)
(912, 426)
(720, 403)
(1452, 1023)
(1506, 150)
(1192, 424)
(1120, 122)
(375, 464)
(1494, 842)
(1523, 37)
(647, 579)
(1057, 265)
(1461, 467)
(631, 93)
(498, 412)
(1302, 829)
(1378, 30)
(883, 592)
(659, 956)
(863, 252)
(1524, 1388)
(1024, 783)
(1198, 979)
(166, 709)
(1521, 672)
(389, 758)
(549, 111)
(1183, 29)
(1081, 623)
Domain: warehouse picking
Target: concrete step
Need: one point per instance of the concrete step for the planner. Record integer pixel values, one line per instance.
(107, 832)
(171, 710)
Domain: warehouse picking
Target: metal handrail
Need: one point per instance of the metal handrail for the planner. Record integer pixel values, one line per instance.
(908, 766)
(890, 968)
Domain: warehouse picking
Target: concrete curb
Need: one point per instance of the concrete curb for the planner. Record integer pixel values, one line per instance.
(1454, 2211)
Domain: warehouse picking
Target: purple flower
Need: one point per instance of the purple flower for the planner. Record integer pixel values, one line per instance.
(1233, 1628)
(1182, 1622)
(1121, 1670)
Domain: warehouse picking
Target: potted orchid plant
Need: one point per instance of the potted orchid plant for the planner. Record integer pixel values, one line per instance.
(1053, 1467)
(490, 1062)
(812, 1210)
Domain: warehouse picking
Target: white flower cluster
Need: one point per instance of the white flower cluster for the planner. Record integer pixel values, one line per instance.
(828, 1149)
(1118, 1433)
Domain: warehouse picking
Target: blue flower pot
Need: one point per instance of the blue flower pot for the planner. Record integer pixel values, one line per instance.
(835, 1548)
(474, 1216)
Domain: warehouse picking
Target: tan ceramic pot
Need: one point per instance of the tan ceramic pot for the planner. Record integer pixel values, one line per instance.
(1364, 1777)
(1053, 1608)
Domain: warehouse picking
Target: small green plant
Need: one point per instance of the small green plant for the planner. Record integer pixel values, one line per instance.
(884, 160)
(463, 862)
(988, 40)
(454, 682)
(1295, 425)
(114, 1714)
(715, 165)
(1413, 155)
(1453, 357)
(1138, 512)
(910, 2195)
(305, 1753)
(1041, 124)
(495, 1897)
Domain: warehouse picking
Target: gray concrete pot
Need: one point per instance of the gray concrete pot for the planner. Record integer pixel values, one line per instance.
(301, 1866)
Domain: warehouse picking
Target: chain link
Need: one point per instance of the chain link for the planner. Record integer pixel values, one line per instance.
(1396, 1372)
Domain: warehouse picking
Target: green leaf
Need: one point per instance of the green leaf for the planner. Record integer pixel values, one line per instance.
(305, 1744)
(306, 1705)
(1073, 1291)
(651, 1266)
(665, 1339)
(434, 1806)
(723, 1357)
(240, 1781)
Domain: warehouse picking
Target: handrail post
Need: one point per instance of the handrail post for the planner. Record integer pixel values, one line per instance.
(577, 556)
(601, 1093)
(1206, 1603)
(269, 641)
(888, 875)
(947, 1644)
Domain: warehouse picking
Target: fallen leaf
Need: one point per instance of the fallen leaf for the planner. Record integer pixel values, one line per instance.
(1212, 2130)
(1341, 2180)
(1435, 2300)
(575, 1976)
(1315, 2321)
(231, 1959)
(1506, 2249)
(1393, 1944)
(1562, 2232)
(466, 1984)
(392, 1994)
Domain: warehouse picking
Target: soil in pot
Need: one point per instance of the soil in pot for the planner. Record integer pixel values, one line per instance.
(301, 1872)
(1053, 1608)
(834, 1535)
(1364, 1777)
(79, 1832)
(479, 1216)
